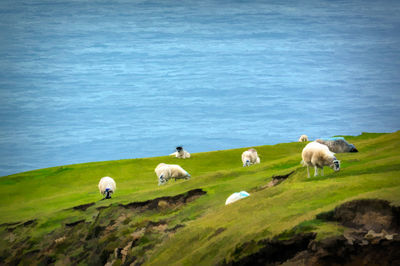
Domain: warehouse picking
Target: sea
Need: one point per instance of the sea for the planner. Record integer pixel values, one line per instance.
(84, 81)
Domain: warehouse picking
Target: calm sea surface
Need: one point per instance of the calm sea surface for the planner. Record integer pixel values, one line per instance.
(85, 81)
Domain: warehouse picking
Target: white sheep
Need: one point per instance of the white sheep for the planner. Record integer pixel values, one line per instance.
(303, 138)
(181, 153)
(165, 172)
(319, 155)
(107, 186)
(250, 157)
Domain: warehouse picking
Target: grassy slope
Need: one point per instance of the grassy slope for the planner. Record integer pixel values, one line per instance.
(373, 173)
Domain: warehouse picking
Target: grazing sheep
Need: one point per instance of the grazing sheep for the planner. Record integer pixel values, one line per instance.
(181, 153)
(166, 171)
(107, 186)
(303, 138)
(319, 155)
(338, 145)
(250, 157)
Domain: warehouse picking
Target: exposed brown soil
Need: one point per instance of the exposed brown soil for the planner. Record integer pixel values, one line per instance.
(175, 228)
(372, 237)
(367, 214)
(276, 180)
(217, 232)
(74, 223)
(12, 226)
(165, 202)
(272, 251)
(340, 251)
(151, 204)
(83, 207)
(29, 222)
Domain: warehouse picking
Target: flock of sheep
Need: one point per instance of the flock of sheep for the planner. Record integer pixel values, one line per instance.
(317, 154)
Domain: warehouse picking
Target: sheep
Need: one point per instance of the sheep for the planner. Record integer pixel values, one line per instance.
(165, 172)
(181, 153)
(319, 155)
(303, 138)
(338, 145)
(107, 186)
(250, 157)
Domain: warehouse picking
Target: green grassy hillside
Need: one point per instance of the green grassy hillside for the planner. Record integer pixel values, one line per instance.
(201, 230)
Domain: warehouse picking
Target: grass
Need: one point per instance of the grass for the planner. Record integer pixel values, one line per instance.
(211, 231)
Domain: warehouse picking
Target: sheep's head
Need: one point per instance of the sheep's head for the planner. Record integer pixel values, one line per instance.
(187, 176)
(161, 180)
(335, 165)
(179, 149)
(247, 163)
(108, 193)
(353, 148)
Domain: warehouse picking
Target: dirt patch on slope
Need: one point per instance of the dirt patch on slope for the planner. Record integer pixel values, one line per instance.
(276, 180)
(74, 223)
(217, 232)
(359, 251)
(272, 251)
(10, 224)
(367, 214)
(165, 202)
(10, 227)
(83, 207)
(372, 237)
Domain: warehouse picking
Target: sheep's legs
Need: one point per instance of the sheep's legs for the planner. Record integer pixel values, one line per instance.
(308, 172)
(108, 195)
(315, 171)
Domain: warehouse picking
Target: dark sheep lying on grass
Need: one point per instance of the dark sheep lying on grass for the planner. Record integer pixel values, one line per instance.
(338, 145)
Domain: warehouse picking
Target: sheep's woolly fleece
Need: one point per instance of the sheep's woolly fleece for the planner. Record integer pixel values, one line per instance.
(165, 172)
(107, 184)
(250, 157)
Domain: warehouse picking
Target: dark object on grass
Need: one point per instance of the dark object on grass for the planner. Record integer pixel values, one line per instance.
(338, 145)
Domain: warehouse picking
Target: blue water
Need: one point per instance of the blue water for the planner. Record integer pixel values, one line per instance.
(85, 81)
